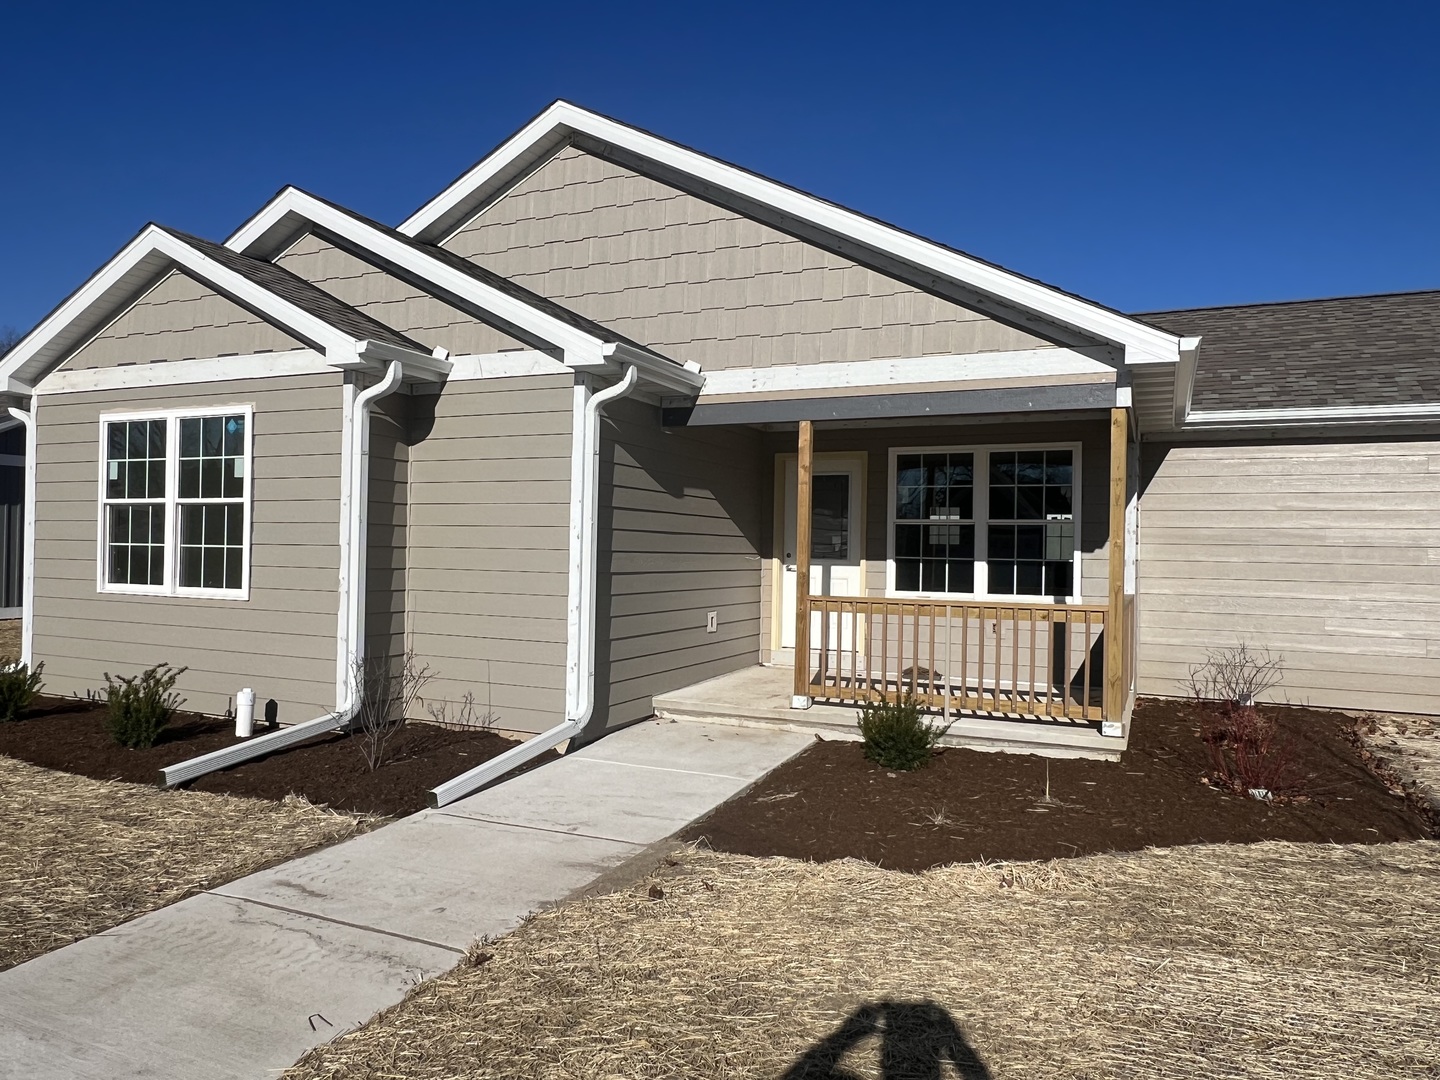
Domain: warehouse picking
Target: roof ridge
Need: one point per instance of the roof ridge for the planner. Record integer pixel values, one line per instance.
(1288, 303)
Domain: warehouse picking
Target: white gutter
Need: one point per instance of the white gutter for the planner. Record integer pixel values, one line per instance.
(27, 588)
(1209, 419)
(581, 598)
(350, 637)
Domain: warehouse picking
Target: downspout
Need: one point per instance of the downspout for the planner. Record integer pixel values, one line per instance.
(27, 586)
(581, 594)
(350, 633)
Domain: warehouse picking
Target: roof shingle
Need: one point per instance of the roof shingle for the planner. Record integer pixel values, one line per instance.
(1354, 350)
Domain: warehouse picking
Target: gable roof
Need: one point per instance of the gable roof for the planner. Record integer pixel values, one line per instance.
(1346, 352)
(512, 308)
(308, 313)
(888, 249)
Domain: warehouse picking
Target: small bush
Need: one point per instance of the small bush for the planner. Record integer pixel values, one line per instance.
(142, 705)
(386, 696)
(1248, 751)
(18, 687)
(897, 736)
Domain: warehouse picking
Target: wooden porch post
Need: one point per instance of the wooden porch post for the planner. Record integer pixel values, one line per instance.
(803, 474)
(1115, 689)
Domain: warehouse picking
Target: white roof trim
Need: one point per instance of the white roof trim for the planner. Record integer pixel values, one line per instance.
(552, 129)
(181, 372)
(291, 210)
(1024, 364)
(1205, 419)
(122, 279)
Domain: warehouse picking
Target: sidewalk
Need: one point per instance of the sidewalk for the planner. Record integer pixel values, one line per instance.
(239, 981)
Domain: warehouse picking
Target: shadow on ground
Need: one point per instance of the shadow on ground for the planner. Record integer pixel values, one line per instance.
(917, 1039)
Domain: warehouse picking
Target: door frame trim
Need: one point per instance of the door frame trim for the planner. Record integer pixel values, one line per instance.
(776, 561)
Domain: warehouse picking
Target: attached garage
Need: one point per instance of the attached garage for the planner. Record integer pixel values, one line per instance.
(1298, 507)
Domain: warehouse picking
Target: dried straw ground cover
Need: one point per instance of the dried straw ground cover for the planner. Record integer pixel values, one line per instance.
(78, 856)
(1268, 960)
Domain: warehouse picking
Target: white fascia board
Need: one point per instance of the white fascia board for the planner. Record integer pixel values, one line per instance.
(1214, 419)
(1185, 378)
(655, 372)
(505, 365)
(181, 372)
(577, 345)
(1034, 364)
(552, 129)
(150, 253)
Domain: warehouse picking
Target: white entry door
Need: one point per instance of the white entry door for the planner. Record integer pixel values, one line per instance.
(836, 530)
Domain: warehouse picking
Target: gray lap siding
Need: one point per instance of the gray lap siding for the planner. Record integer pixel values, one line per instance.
(681, 531)
(1324, 553)
(281, 641)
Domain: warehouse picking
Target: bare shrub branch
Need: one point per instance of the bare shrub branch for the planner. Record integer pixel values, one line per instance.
(1238, 675)
(466, 714)
(385, 698)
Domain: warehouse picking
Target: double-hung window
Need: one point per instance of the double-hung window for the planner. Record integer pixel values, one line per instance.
(175, 502)
(985, 522)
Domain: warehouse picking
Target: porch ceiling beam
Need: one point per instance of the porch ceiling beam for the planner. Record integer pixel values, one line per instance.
(766, 409)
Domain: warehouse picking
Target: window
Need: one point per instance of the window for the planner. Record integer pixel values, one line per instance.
(985, 522)
(175, 495)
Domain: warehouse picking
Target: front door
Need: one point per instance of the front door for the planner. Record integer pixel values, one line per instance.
(836, 529)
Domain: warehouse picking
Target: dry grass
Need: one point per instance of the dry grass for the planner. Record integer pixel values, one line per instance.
(9, 640)
(1266, 961)
(1407, 750)
(78, 856)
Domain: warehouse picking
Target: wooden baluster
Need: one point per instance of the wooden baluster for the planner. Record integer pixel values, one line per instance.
(933, 664)
(1085, 699)
(1033, 614)
(964, 656)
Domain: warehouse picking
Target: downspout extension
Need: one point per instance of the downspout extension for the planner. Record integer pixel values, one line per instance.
(27, 586)
(352, 601)
(581, 616)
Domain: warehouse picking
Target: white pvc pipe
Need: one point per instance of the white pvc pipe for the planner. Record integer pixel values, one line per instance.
(27, 587)
(581, 614)
(245, 713)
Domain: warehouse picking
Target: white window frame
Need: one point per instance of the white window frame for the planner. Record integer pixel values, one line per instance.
(980, 511)
(169, 586)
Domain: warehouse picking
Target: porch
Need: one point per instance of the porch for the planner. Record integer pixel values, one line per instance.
(761, 696)
(975, 560)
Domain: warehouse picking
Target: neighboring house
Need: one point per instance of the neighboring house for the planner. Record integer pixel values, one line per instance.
(552, 433)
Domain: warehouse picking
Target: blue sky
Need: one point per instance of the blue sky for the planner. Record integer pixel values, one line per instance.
(1149, 155)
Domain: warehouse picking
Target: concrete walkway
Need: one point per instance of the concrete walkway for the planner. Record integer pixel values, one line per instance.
(243, 979)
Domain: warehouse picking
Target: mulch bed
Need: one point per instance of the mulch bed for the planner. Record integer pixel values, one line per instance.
(830, 803)
(71, 736)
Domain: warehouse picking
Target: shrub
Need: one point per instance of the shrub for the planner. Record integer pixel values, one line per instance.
(1248, 751)
(896, 736)
(18, 687)
(142, 705)
(384, 699)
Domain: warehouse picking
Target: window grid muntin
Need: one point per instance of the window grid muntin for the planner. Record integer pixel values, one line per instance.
(933, 527)
(983, 590)
(1030, 527)
(135, 469)
(169, 419)
(210, 502)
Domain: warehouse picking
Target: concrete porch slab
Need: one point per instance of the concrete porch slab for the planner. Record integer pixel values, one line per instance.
(760, 697)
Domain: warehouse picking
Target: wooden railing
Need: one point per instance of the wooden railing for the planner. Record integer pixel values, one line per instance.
(1027, 660)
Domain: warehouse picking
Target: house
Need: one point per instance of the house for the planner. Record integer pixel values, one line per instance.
(576, 430)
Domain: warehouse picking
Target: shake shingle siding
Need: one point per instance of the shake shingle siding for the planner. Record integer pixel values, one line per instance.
(180, 319)
(698, 282)
(390, 300)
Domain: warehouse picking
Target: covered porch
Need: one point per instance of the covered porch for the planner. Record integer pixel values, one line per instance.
(973, 549)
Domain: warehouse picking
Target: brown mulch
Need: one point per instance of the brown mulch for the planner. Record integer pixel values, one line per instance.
(78, 856)
(70, 735)
(1264, 961)
(830, 803)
